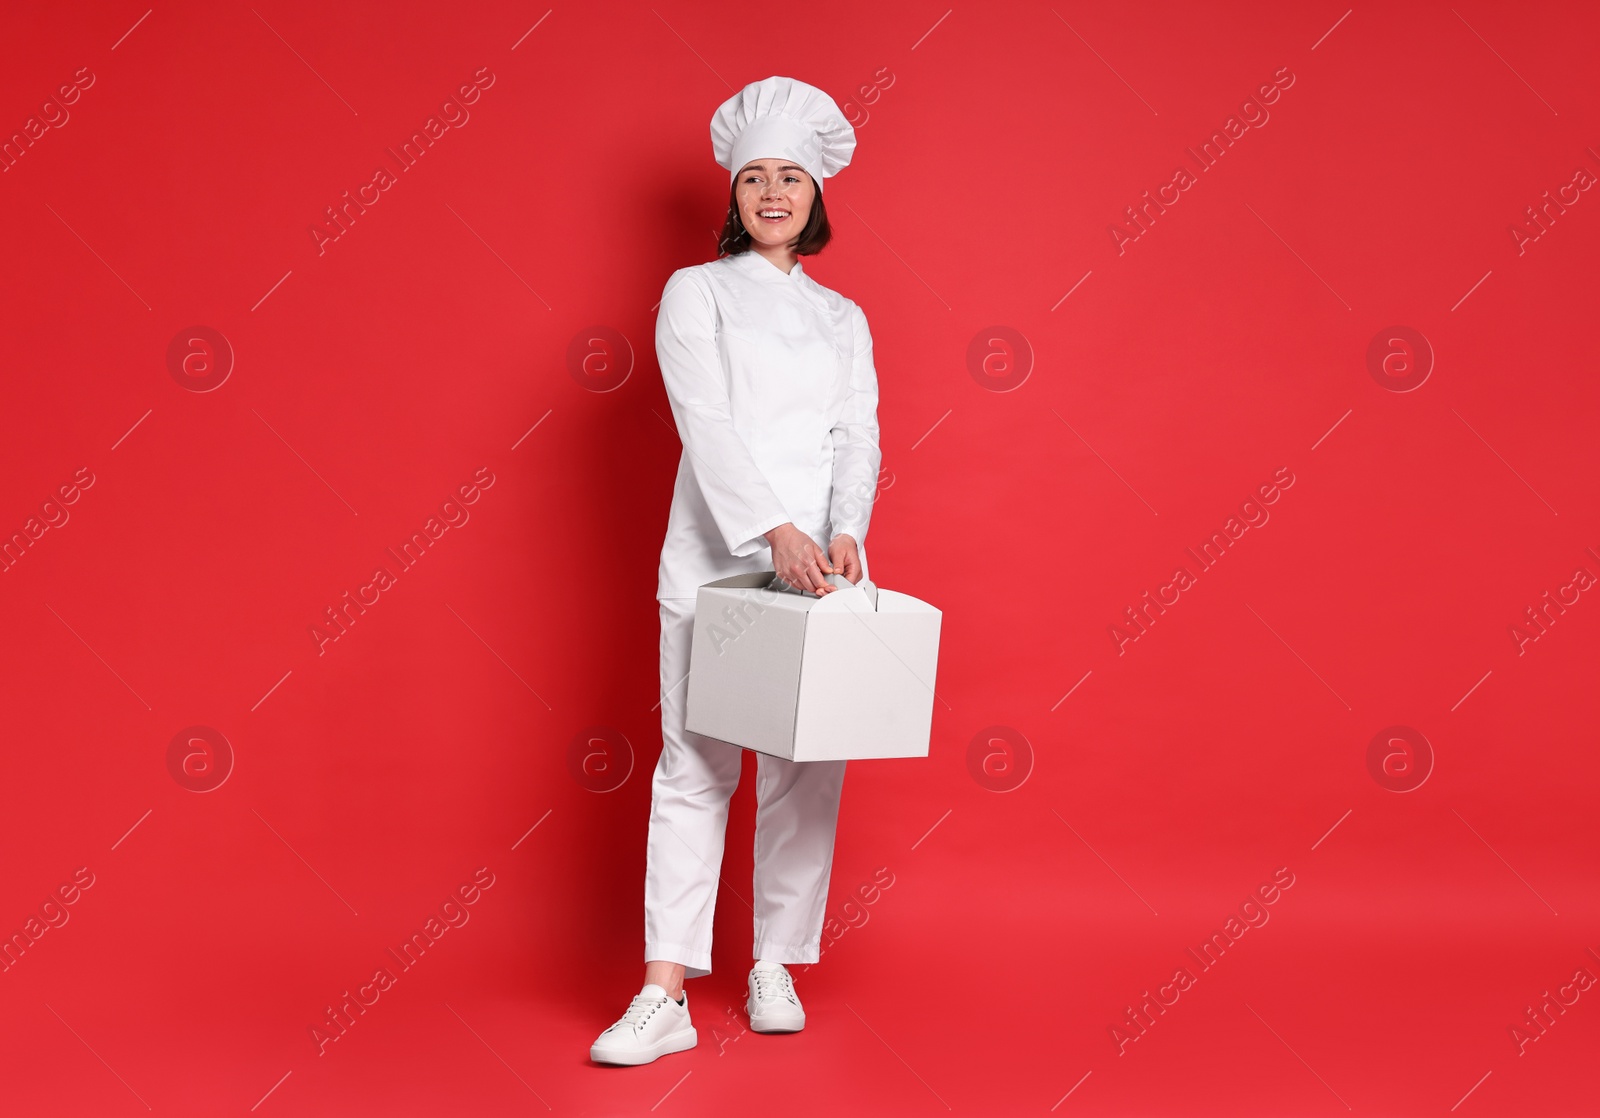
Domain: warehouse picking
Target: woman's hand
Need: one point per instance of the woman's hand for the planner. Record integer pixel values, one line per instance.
(846, 556)
(799, 561)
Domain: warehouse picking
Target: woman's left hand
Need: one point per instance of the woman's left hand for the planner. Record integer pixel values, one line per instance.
(846, 557)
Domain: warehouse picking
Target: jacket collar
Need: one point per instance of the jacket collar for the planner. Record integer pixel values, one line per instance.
(759, 267)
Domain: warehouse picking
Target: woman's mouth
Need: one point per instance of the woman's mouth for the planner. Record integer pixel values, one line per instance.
(773, 217)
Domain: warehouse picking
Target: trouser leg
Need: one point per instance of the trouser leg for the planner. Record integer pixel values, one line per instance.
(693, 781)
(796, 817)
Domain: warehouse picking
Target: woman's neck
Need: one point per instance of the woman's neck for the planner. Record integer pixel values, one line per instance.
(781, 255)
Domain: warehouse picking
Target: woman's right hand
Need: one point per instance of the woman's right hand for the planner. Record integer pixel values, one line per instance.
(799, 561)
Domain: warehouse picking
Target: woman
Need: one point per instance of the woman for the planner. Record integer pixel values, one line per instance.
(771, 381)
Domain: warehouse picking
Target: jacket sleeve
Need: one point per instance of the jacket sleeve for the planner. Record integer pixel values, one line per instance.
(741, 500)
(856, 454)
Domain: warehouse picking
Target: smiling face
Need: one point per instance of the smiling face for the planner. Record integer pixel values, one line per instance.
(774, 199)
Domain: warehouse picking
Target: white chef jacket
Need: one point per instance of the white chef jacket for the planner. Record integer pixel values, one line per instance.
(772, 384)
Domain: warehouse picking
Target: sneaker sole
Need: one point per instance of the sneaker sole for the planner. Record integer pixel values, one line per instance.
(632, 1057)
(775, 1022)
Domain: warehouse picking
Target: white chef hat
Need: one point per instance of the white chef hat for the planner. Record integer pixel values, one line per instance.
(784, 119)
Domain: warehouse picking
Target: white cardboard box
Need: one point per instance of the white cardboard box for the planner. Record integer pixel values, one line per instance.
(782, 671)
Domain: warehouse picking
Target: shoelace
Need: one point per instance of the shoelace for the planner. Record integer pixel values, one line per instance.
(779, 978)
(639, 1011)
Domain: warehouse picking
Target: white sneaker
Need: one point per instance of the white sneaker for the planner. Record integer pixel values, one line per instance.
(773, 1005)
(653, 1026)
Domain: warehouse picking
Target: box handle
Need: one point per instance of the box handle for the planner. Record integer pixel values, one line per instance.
(838, 580)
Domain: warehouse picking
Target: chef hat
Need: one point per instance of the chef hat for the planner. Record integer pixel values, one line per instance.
(785, 119)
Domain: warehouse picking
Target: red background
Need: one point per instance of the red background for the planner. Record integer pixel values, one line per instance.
(998, 147)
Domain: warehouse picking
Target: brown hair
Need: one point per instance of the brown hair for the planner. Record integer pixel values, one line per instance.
(813, 238)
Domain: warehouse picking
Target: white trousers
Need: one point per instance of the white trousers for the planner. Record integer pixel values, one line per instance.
(797, 809)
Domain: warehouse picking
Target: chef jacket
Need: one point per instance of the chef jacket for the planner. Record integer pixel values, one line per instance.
(771, 381)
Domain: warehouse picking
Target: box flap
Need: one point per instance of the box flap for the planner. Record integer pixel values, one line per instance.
(748, 578)
(836, 580)
(892, 601)
(855, 599)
